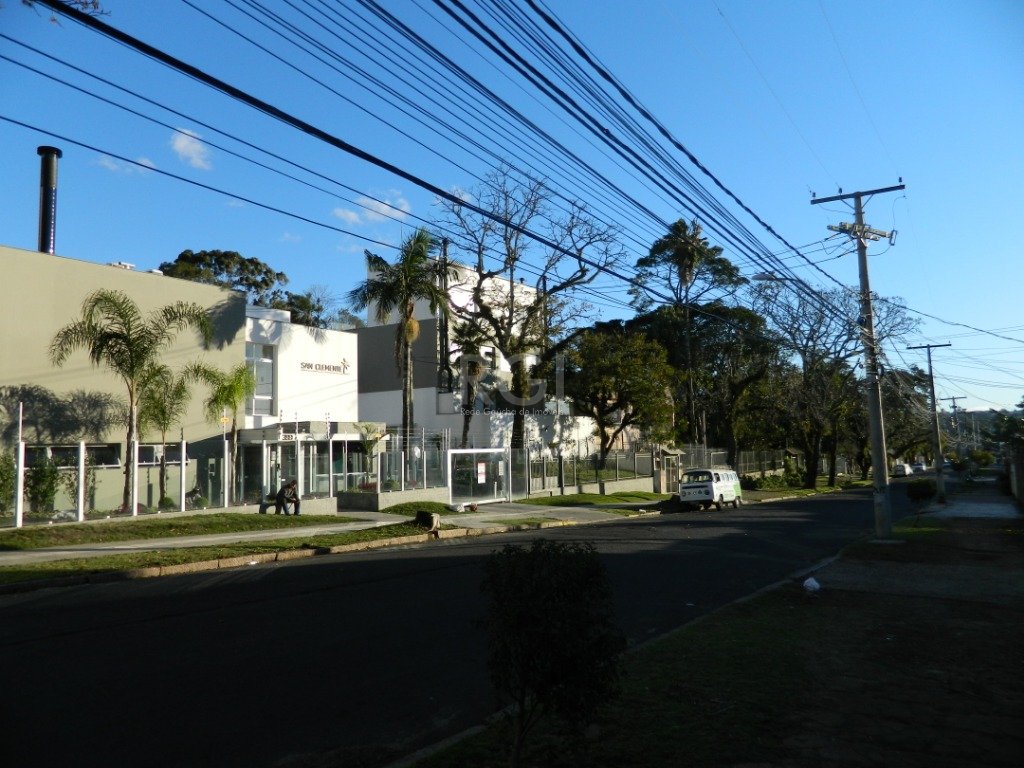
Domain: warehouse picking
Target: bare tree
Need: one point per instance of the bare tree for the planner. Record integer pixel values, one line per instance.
(522, 293)
(823, 331)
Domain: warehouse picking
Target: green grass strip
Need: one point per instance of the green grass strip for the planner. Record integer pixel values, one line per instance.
(66, 534)
(131, 560)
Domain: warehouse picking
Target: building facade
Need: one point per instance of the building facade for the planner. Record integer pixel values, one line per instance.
(305, 406)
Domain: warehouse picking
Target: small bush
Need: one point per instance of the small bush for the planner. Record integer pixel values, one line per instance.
(921, 489)
(167, 503)
(771, 482)
(41, 484)
(6, 480)
(554, 648)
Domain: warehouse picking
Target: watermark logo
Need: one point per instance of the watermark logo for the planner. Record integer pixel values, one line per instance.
(484, 390)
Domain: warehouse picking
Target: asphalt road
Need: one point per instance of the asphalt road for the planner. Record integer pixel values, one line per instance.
(250, 666)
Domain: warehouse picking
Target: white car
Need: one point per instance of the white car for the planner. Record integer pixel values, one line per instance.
(902, 470)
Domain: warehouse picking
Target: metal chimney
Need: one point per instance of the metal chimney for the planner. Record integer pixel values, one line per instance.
(48, 198)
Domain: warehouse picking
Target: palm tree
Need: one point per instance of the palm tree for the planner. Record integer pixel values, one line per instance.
(397, 287)
(114, 333)
(164, 400)
(229, 391)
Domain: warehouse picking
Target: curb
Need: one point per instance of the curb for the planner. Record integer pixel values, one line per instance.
(242, 561)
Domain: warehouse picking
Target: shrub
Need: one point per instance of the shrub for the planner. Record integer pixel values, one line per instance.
(771, 482)
(921, 489)
(553, 645)
(982, 458)
(167, 503)
(6, 479)
(41, 483)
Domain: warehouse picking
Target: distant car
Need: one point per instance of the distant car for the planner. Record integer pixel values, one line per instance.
(901, 470)
(918, 468)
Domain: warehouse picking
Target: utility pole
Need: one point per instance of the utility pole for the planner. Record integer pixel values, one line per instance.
(940, 481)
(956, 423)
(445, 376)
(879, 461)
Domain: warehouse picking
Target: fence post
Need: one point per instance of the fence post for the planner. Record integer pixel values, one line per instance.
(80, 501)
(19, 484)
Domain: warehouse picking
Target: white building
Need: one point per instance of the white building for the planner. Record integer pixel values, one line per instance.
(301, 423)
(439, 379)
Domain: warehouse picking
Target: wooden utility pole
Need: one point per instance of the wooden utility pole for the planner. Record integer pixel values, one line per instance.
(956, 423)
(879, 461)
(940, 481)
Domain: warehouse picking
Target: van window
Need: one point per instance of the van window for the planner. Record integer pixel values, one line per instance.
(697, 477)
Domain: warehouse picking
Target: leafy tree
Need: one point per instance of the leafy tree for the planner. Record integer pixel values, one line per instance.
(906, 400)
(115, 334)
(229, 391)
(620, 380)
(165, 398)
(1008, 428)
(689, 268)
(732, 350)
(395, 288)
(520, 321)
(229, 269)
(554, 647)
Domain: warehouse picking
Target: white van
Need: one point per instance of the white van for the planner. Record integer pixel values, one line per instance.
(703, 487)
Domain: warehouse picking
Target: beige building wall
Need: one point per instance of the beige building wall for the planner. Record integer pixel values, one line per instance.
(44, 292)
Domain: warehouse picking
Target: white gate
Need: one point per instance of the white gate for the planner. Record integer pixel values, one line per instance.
(478, 475)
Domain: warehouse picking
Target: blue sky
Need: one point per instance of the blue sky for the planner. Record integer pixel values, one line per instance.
(776, 99)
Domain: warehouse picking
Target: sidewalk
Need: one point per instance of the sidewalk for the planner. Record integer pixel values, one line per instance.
(487, 518)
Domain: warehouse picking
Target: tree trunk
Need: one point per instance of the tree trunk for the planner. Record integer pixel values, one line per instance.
(519, 387)
(832, 458)
(467, 411)
(233, 474)
(813, 457)
(163, 468)
(126, 494)
(733, 446)
(407, 398)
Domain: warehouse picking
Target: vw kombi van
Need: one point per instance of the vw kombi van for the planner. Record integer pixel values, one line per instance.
(703, 487)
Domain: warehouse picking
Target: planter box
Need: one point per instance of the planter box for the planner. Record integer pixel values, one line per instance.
(374, 502)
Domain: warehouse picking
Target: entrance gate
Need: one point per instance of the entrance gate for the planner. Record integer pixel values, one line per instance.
(478, 475)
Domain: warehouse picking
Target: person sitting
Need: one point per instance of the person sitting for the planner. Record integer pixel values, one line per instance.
(288, 494)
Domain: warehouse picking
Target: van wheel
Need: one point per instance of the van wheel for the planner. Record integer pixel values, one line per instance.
(736, 502)
(718, 504)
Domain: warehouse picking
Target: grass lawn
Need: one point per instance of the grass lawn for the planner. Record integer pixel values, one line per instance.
(707, 695)
(153, 527)
(791, 678)
(129, 561)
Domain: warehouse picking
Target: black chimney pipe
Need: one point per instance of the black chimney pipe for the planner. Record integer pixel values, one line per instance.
(48, 198)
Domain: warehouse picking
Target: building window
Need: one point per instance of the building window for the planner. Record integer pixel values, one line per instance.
(98, 455)
(260, 359)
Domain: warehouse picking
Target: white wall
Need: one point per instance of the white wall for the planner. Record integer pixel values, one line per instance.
(315, 369)
(433, 412)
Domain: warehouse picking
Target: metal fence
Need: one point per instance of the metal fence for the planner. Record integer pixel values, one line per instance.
(537, 473)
